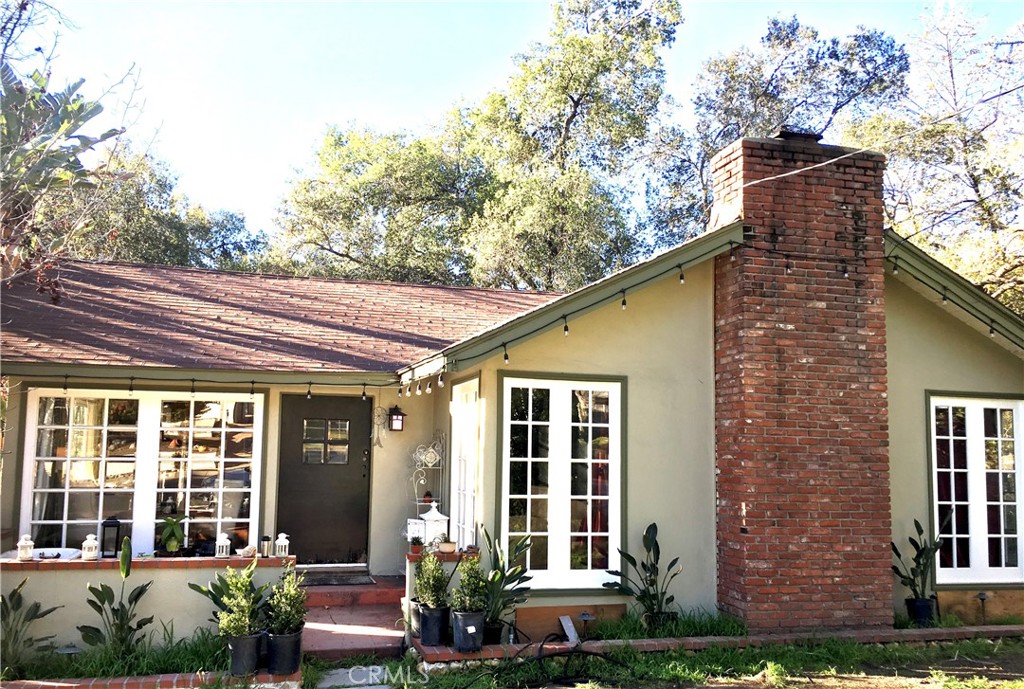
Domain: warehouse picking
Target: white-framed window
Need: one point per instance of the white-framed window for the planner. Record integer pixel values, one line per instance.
(977, 459)
(561, 477)
(140, 457)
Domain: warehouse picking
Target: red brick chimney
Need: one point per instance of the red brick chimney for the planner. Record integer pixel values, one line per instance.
(803, 522)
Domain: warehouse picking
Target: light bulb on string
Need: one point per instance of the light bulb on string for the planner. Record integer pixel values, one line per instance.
(623, 300)
(131, 386)
(192, 393)
(419, 389)
(992, 329)
(565, 327)
(430, 387)
(66, 385)
(408, 390)
(309, 391)
(896, 266)
(504, 350)
(440, 379)
(252, 389)
(682, 276)
(364, 392)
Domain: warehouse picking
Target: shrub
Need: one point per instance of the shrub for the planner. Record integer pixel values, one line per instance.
(286, 607)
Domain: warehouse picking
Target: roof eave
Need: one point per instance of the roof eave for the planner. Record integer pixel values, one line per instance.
(932, 279)
(578, 303)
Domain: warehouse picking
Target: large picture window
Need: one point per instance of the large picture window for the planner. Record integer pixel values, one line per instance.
(562, 477)
(95, 454)
(977, 447)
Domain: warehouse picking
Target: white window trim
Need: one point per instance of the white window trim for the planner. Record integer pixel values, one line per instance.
(979, 572)
(465, 461)
(559, 575)
(144, 516)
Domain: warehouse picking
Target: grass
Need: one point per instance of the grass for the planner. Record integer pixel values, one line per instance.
(773, 665)
(689, 623)
(944, 681)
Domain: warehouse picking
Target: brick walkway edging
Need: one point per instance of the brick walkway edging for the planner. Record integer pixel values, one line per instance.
(184, 680)
(445, 654)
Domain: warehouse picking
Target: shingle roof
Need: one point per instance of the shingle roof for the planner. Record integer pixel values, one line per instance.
(141, 315)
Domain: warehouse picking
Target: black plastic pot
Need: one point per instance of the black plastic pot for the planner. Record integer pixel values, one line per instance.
(284, 653)
(493, 633)
(921, 611)
(414, 617)
(468, 631)
(433, 625)
(245, 654)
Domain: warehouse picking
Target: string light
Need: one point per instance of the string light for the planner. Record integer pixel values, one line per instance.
(430, 388)
(682, 276)
(309, 391)
(623, 300)
(789, 267)
(846, 270)
(192, 392)
(131, 386)
(896, 266)
(732, 253)
(504, 349)
(419, 389)
(992, 328)
(364, 392)
(440, 379)
(408, 390)
(945, 295)
(565, 327)
(252, 389)
(66, 385)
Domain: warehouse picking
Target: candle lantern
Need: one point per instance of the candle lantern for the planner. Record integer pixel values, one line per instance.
(281, 545)
(435, 524)
(90, 548)
(110, 541)
(25, 547)
(223, 546)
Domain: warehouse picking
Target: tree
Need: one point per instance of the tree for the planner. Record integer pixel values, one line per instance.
(137, 216)
(524, 190)
(955, 177)
(794, 78)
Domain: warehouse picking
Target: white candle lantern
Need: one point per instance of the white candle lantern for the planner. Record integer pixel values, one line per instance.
(281, 545)
(435, 524)
(223, 546)
(90, 548)
(25, 547)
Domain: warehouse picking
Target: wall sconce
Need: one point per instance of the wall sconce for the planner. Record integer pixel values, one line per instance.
(111, 534)
(396, 419)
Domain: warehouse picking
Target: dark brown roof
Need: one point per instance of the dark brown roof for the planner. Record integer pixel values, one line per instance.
(141, 315)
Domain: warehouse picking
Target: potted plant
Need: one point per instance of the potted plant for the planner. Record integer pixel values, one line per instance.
(468, 601)
(648, 584)
(415, 545)
(172, 537)
(921, 605)
(432, 589)
(240, 622)
(445, 544)
(286, 615)
(505, 585)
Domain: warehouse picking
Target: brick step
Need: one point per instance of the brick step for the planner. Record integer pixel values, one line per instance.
(387, 591)
(333, 633)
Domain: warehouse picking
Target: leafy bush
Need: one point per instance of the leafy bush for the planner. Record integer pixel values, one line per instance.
(431, 581)
(471, 593)
(506, 579)
(218, 588)
(647, 584)
(243, 602)
(917, 575)
(122, 628)
(286, 606)
(16, 646)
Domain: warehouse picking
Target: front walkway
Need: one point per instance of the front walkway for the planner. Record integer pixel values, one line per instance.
(347, 621)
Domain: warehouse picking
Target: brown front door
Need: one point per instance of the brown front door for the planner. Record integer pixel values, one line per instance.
(323, 501)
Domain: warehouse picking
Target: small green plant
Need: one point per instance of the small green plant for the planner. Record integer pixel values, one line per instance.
(218, 588)
(917, 575)
(506, 578)
(244, 609)
(173, 534)
(16, 646)
(431, 581)
(286, 605)
(648, 585)
(471, 593)
(122, 627)
(415, 540)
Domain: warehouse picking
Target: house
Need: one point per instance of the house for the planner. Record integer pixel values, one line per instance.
(783, 395)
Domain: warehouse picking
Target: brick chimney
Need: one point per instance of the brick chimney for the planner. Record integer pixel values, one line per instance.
(803, 522)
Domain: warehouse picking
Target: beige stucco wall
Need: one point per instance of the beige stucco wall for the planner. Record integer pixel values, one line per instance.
(662, 344)
(169, 599)
(391, 489)
(929, 350)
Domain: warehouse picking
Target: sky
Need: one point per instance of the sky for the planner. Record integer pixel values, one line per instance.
(236, 96)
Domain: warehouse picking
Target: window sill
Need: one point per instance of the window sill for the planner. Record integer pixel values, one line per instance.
(142, 563)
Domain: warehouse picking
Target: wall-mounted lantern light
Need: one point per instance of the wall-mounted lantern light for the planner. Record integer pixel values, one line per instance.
(396, 419)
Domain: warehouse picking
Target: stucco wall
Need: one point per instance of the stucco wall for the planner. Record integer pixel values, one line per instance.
(929, 350)
(662, 344)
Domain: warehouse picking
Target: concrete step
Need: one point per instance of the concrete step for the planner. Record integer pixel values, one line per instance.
(334, 632)
(386, 591)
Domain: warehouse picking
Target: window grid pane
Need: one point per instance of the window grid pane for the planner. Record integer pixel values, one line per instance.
(1000, 469)
(950, 451)
(528, 471)
(71, 496)
(589, 508)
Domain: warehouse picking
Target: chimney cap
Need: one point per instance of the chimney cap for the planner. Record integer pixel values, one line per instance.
(792, 133)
